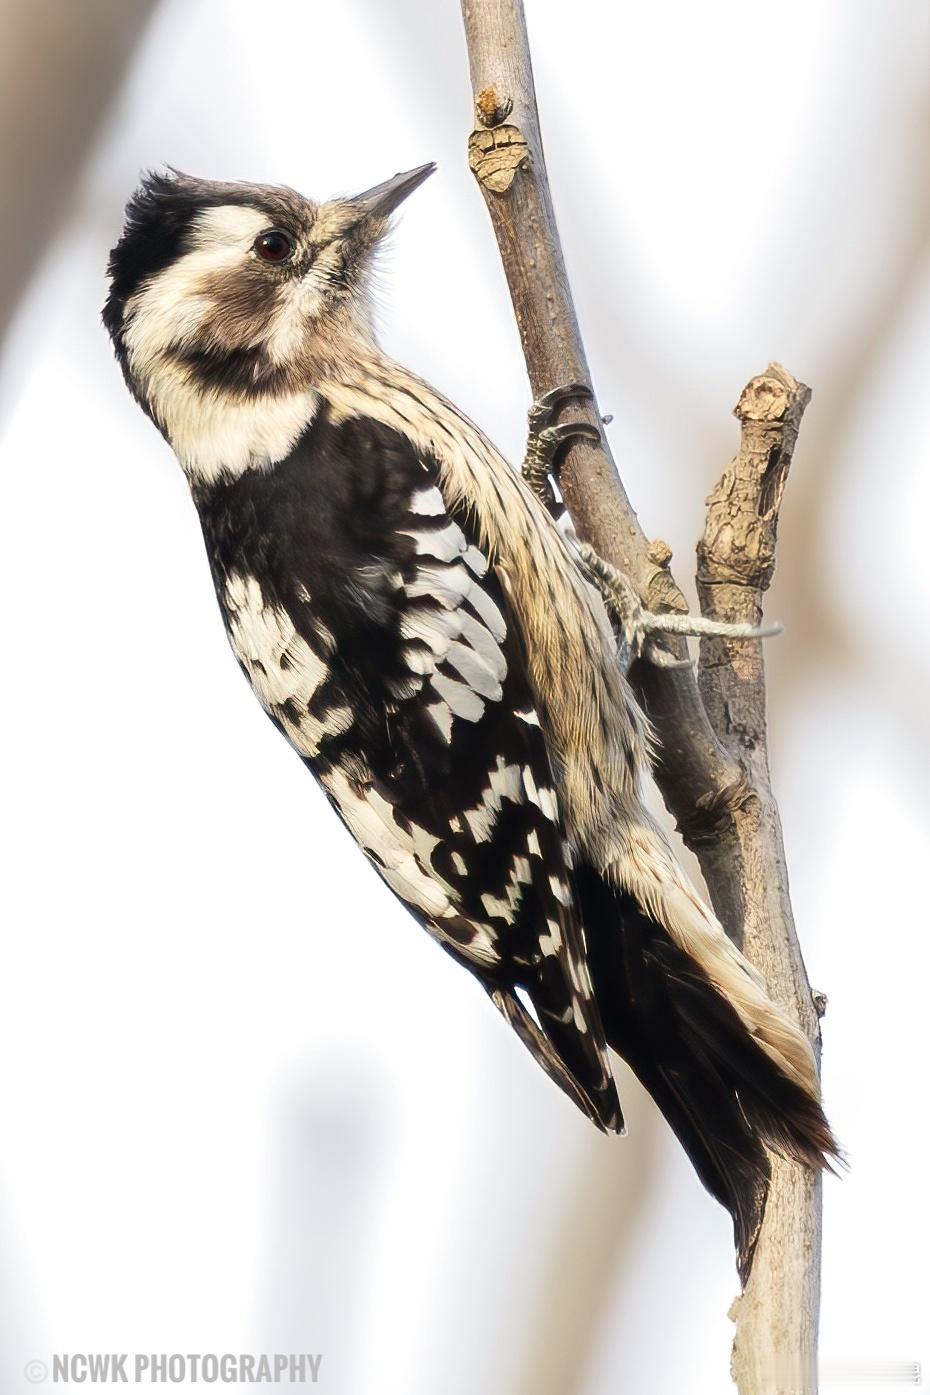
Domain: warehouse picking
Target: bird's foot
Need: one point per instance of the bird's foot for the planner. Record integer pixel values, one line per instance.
(547, 439)
(642, 630)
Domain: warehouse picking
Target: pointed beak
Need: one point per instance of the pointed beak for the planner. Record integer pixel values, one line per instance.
(382, 200)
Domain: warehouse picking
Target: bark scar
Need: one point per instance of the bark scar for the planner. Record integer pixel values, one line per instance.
(495, 156)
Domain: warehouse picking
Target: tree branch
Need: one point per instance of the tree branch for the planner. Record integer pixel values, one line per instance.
(698, 778)
(775, 1348)
(712, 767)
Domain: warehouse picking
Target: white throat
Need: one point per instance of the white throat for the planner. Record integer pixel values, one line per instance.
(218, 435)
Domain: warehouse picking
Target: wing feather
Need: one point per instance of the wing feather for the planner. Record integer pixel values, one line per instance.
(377, 632)
(478, 853)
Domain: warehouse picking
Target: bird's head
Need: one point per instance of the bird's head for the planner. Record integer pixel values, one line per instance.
(230, 283)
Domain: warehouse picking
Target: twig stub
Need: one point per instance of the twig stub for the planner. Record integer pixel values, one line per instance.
(740, 531)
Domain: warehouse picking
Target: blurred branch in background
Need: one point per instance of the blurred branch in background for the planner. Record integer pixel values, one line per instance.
(60, 67)
(596, 1238)
(713, 765)
(819, 620)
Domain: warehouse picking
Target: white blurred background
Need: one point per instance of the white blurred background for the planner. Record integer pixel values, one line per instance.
(245, 1104)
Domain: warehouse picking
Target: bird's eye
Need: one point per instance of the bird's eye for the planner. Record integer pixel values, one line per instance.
(274, 245)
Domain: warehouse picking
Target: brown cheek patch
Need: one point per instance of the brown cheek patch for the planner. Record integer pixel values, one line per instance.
(244, 305)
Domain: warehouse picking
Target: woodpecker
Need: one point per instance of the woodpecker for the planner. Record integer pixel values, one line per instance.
(416, 623)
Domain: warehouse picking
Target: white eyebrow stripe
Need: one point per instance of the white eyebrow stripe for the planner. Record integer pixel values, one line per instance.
(231, 224)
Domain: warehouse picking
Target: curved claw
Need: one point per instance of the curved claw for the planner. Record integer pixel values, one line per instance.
(638, 625)
(547, 406)
(554, 398)
(547, 439)
(555, 436)
(544, 449)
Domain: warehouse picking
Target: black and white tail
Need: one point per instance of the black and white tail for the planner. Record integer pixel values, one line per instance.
(724, 1094)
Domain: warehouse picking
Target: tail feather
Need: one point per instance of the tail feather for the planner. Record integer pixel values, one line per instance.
(722, 1093)
(647, 868)
(594, 1093)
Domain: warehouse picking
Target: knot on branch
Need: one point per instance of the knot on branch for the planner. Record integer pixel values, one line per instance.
(494, 156)
(490, 109)
(659, 552)
(661, 592)
(657, 587)
(711, 816)
(767, 397)
(740, 531)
